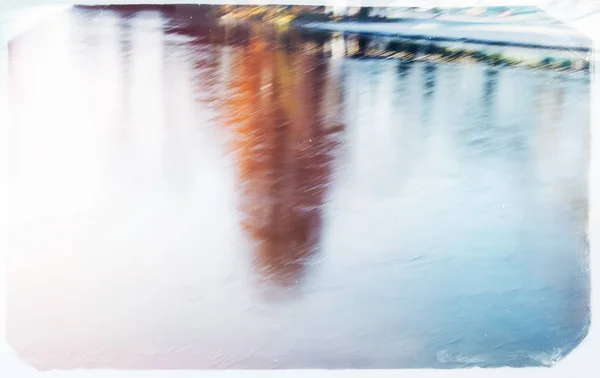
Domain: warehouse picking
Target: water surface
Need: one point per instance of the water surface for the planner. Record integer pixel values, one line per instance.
(187, 196)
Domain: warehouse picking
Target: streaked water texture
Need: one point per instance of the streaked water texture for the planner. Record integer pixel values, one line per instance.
(187, 196)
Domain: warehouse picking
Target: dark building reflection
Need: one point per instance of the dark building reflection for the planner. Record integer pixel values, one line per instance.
(489, 93)
(429, 79)
(488, 132)
(363, 44)
(404, 68)
(283, 143)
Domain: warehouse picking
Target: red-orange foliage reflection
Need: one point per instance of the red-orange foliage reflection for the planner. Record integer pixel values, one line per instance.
(284, 142)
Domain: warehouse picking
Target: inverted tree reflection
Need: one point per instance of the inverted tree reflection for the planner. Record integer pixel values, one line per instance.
(284, 144)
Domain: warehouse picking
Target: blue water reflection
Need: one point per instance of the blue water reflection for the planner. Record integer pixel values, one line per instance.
(266, 205)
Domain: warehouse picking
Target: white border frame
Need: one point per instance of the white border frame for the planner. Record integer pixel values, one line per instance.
(581, 363)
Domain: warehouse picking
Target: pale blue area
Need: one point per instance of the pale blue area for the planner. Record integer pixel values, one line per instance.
(452, 231)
